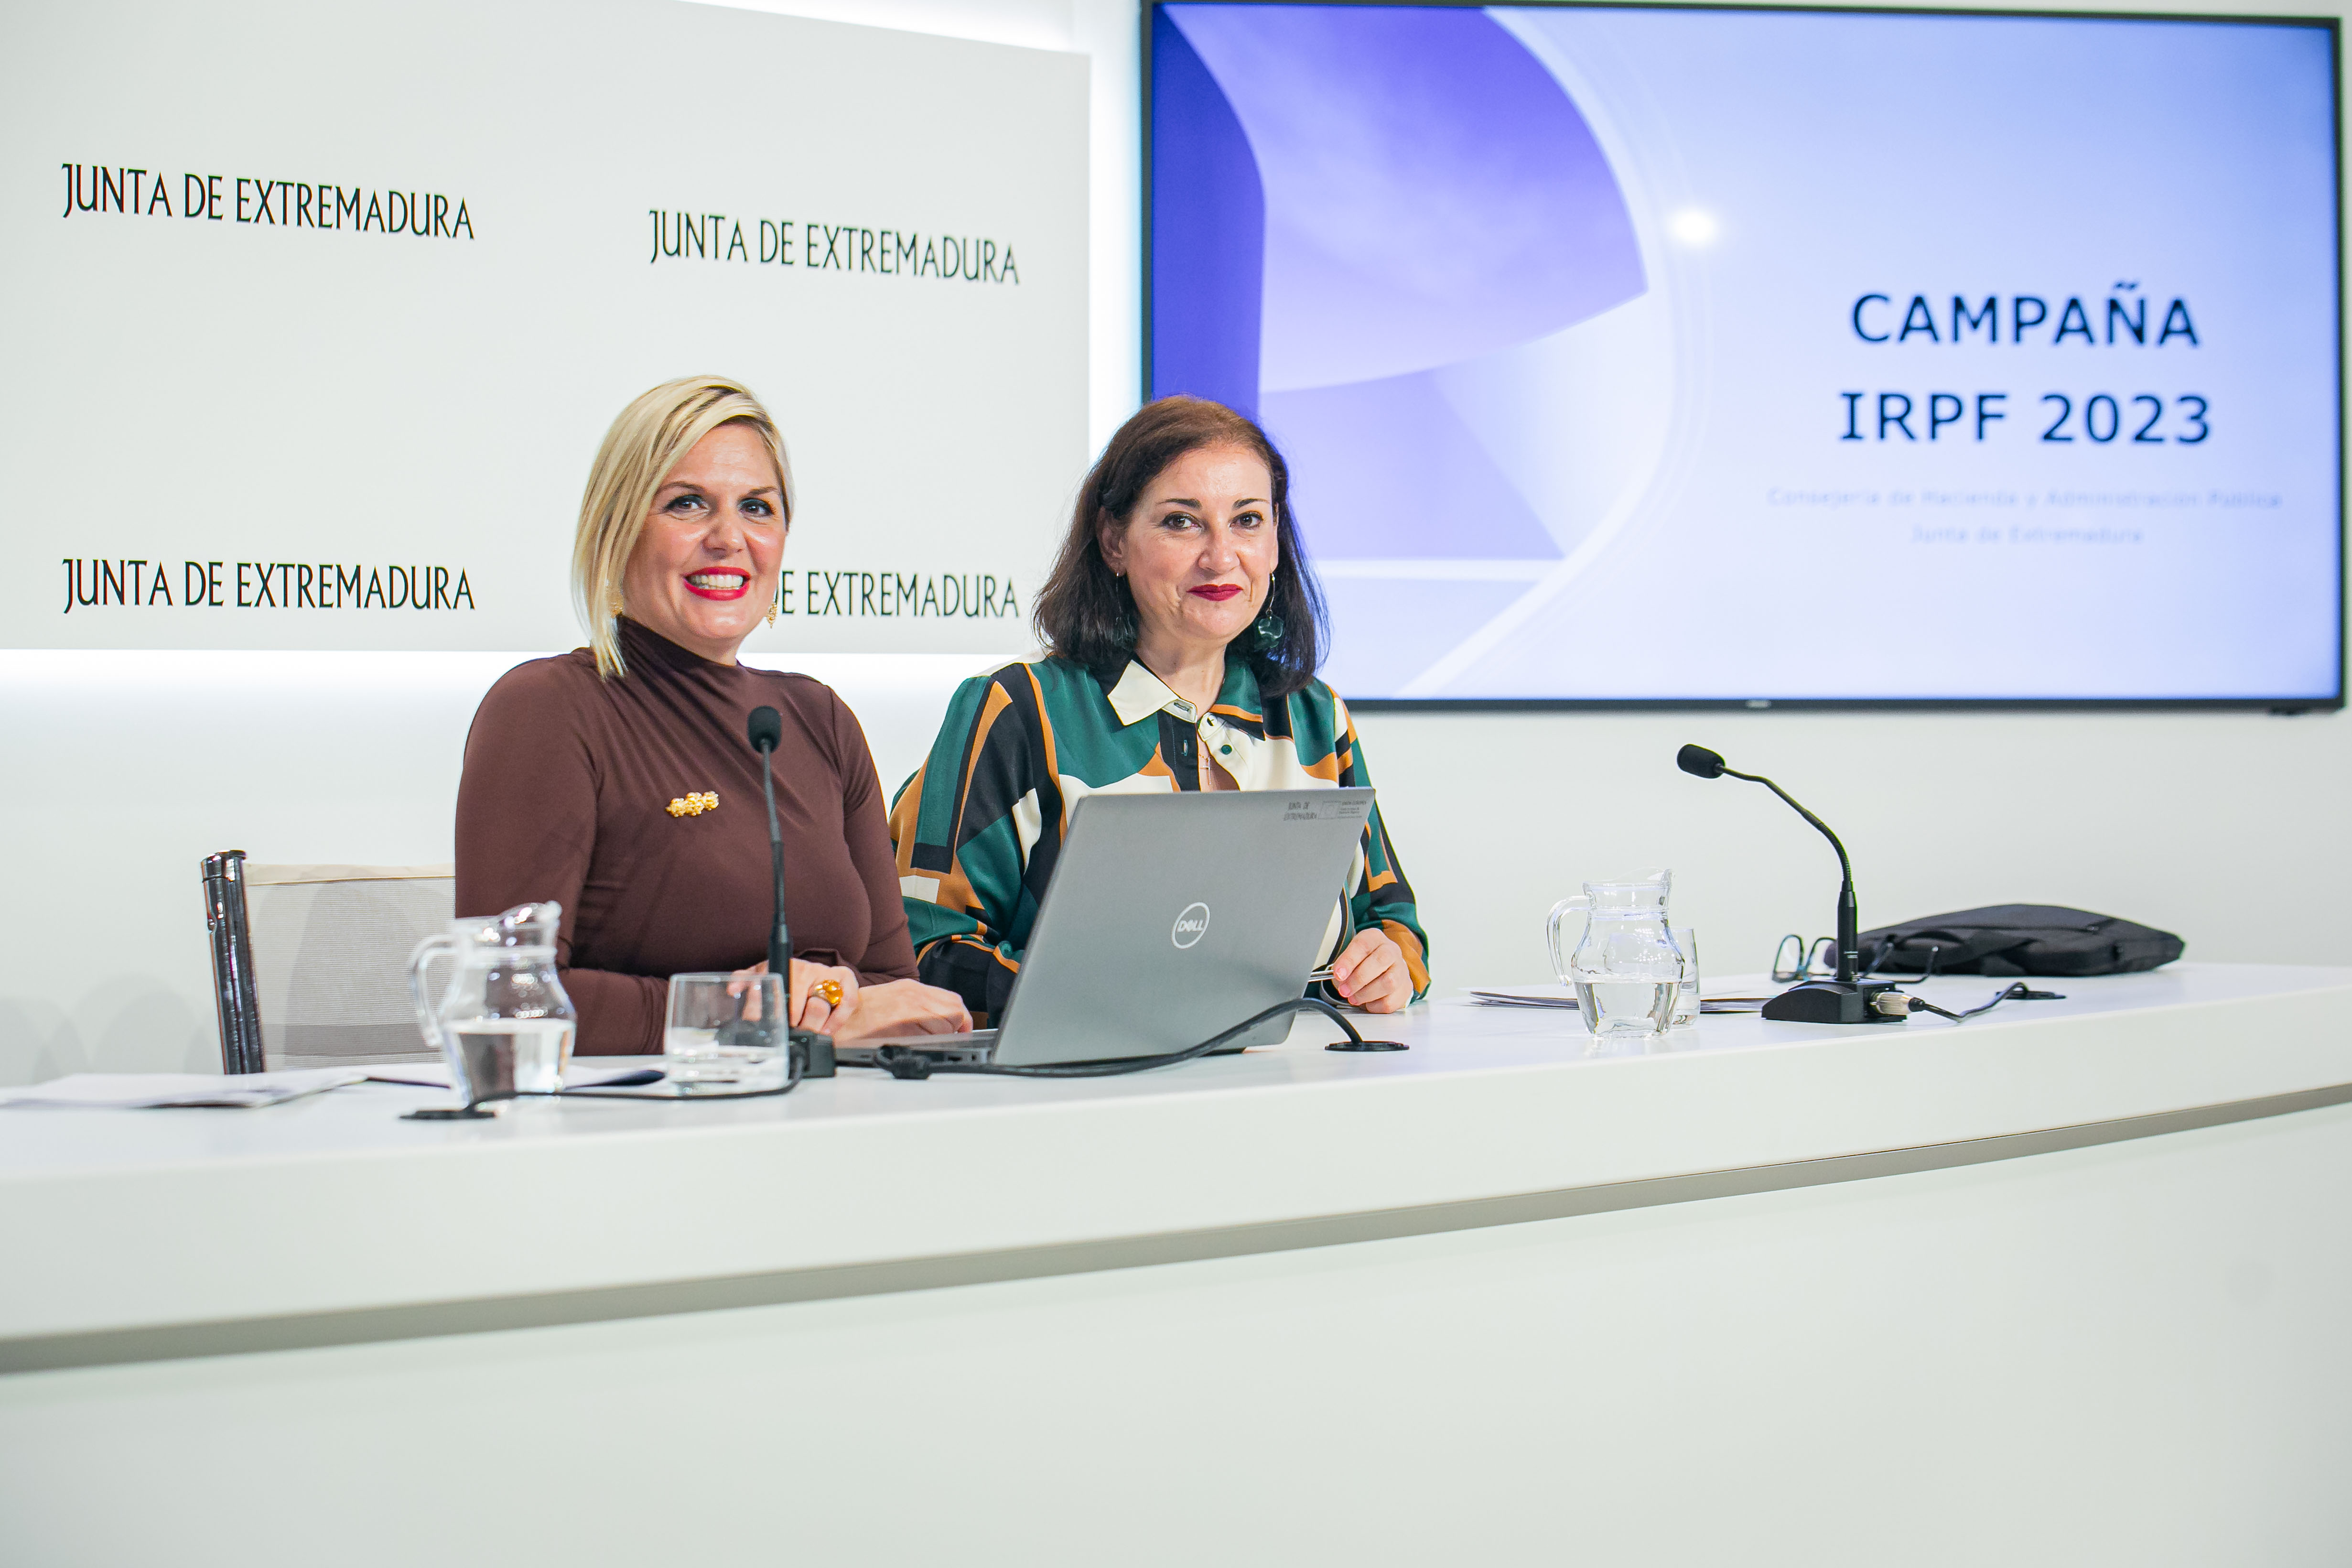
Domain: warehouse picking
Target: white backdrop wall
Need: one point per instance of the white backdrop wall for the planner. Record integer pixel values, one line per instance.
(123, 768)
(895, 255)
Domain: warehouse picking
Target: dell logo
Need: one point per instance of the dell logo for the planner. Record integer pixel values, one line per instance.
(1191, 926)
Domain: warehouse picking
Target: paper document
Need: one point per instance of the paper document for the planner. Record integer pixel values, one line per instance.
(1564, 998)
(434, 1075)
(155, 1091)
(148, 1090)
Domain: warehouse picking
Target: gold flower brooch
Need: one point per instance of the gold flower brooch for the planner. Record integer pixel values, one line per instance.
(693, 805)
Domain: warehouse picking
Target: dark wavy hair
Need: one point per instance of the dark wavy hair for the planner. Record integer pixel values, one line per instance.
(1086, 615)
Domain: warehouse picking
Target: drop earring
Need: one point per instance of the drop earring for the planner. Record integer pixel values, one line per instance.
(1124, 630)
(771, 607)
(1265, 631)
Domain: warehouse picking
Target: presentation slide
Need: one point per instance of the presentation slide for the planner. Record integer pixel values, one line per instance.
(315, 314)
(1747, 356)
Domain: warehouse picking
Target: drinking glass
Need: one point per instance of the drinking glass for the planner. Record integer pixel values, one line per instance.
(1686, 1001)
(720, 1029)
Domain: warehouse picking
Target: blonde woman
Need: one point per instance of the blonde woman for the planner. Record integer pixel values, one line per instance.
(616, 780)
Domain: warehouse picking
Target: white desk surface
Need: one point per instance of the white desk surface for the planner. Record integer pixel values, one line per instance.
(134, 1220)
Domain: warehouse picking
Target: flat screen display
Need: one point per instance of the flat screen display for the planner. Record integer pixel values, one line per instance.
(1714, 356)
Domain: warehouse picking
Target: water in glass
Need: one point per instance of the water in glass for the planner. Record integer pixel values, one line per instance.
(530, 1053)
(1687, 1000)
(1626, 1007)
(720, 1029)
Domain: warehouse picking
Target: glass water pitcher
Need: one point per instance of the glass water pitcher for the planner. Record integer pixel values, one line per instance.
(1625, 968)
(503, 1023)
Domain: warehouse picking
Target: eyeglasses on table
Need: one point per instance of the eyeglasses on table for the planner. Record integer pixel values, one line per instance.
(1799, 960)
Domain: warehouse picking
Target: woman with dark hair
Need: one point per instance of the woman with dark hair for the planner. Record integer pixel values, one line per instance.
(1182, 630)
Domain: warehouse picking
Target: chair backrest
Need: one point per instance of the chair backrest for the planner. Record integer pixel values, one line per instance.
(328, 967)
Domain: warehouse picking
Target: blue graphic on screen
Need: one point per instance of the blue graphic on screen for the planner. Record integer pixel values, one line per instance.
(1687, 354)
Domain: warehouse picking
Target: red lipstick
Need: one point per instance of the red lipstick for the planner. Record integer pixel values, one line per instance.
(1220, 592)
(715, 583)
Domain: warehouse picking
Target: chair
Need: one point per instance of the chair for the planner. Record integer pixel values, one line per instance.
(310, 963)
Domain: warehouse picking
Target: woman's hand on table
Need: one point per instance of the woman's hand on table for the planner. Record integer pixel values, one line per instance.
(1371, 974)
(811, 986)
(900, 1007)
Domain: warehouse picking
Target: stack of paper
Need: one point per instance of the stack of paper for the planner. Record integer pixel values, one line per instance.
(1527, 998)
(145, 1090)
(433, 1075)
(1564, 998)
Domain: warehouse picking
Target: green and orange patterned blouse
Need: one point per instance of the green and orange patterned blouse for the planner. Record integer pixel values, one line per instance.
(979, 826)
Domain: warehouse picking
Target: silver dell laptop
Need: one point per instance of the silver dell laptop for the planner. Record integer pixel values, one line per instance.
(1171, 918)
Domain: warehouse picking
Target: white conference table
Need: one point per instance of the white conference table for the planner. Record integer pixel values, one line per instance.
(2067, 1284)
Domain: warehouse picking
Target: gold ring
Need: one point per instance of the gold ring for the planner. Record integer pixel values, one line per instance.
(830, 990)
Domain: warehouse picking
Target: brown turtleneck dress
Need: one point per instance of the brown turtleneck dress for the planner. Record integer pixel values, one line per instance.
(566, 795)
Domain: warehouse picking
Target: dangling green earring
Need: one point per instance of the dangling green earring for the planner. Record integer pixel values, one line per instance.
(1265, 631)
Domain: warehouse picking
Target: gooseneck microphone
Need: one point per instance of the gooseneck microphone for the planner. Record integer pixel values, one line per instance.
(1846, 999)
(766, 732)
(1700, 762)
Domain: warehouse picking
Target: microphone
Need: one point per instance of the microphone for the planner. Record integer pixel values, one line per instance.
(1848, 999)
(765, 729)
(1700, 762)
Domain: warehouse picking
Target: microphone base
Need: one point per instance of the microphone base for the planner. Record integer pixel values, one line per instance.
(1831, 1001)
(816, 1052)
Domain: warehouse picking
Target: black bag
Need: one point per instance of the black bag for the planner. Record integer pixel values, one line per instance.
(2018, 938)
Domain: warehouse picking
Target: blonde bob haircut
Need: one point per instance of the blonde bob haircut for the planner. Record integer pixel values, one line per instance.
(639, 451)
